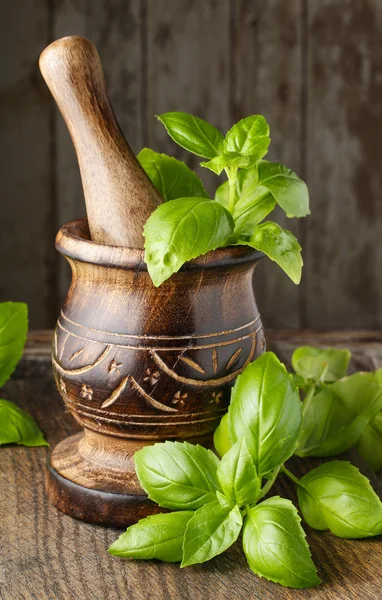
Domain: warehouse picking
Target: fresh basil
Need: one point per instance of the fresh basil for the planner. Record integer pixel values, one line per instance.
(266, 410)
(18, 427)
(252, 202)
(275, 546)
(261, 430)
(209, 532)
(158, 536)
(238, 476)
(288, 190)
(335, 417)
(227, 161)
(171, 177)
(280, 245)
(193, 134)
(321, 364)
(177, 475)
(13, 334)
(249, 137)
(180, 230)
(336, 496)
(222, 442)
(369, 444)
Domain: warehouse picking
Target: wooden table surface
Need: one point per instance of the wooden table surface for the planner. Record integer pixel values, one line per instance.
(45, 555)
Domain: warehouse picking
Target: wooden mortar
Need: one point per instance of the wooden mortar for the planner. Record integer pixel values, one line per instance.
(137, 364)
(134, 364)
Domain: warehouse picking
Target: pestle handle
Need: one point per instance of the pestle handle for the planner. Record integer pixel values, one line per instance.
(118, 194)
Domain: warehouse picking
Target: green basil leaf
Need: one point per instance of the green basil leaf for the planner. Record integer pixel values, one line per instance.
(222, 194)
(336, 496)
(227, 159)
(178, 475)
(289, 191)
(312, 363)
(193, 134)
(369, 444)
(279, 245)
(222, 442)
(211, 530)
(252, 202)
(275, 546)
(18, 427)
(249, 137)
(335, 417)
(238, 476)
(171, 177)
(158, 536)
(13, 335)
(266, 410)
(301, 383)
(180, 230)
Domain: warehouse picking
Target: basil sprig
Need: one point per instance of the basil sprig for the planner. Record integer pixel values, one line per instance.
(16, 425)
(339, 410)
(214, 500)
(190, 224)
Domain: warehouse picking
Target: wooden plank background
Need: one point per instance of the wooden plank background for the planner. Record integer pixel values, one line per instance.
(314, 69)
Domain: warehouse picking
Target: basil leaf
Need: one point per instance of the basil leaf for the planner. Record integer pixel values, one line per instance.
(266, 409)
(211, 530)
(335, 417)
(275, 546)
(222, 194)
(312, 363)
(178, 475)
(180, 230)
(227, 159)
(158, 536)
(249, 137)
(171, 177)
(18, 427)
(289, 191)
(237, 475)
(336, 496)
(279, 245)
(13, 335)
(252, 202)
(192, 133)
(222, 442)
(369, 444)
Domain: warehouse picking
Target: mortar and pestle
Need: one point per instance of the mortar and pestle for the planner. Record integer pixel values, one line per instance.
(133, 363)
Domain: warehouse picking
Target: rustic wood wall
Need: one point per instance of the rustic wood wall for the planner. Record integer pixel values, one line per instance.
(313, 68)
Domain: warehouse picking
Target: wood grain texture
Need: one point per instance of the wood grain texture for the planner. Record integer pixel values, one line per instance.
(27, 264)
(187, 54)
(266, 46)
(119, 196)
(46, 555)
(343, 249)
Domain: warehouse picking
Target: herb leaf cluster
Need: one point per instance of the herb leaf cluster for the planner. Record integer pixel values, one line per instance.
(215, 500)
(339, 410)
(16, 425)
(189, 223)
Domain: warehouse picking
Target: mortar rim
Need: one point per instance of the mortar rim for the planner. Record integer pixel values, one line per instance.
(73, 241)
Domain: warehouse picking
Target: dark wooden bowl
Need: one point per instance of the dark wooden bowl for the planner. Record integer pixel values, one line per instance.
(137, 364)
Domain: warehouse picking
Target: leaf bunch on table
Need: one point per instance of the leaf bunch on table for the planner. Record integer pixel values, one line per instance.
(16, 425)
(189, 223)
(215, 500)
(339, 410)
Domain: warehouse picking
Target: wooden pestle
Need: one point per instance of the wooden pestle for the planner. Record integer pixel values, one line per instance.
(118, 194)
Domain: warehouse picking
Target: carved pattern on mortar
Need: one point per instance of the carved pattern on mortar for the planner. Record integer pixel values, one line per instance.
(152, 375)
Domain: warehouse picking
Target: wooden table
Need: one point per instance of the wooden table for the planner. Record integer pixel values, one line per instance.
(46, 555)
